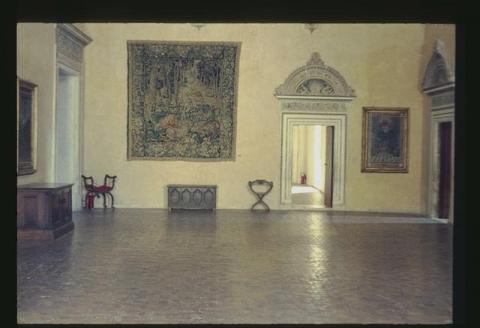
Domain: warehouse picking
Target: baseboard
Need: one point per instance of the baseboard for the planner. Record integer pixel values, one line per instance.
(317, 209)
(379, 213)
(441, 220)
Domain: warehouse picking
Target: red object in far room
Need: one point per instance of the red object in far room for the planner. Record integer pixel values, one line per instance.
(303, 179)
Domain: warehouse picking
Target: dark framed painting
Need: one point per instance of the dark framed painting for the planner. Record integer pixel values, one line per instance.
(26, 127)
(385, 140)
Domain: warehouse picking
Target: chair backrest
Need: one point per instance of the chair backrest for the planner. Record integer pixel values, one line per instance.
(109, 181)
(253, 183)
(88, 182)
(260, 182)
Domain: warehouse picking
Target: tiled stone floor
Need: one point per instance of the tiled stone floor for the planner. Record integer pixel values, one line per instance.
(149, 266)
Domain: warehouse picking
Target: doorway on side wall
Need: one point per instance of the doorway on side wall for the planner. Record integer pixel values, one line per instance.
(312, 165)
(67, 132)
(445, 153)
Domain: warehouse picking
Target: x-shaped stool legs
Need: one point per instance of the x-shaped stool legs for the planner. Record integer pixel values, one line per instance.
(260, 195)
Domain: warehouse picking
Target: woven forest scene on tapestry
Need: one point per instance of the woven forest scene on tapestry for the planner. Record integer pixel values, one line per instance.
(182, 100)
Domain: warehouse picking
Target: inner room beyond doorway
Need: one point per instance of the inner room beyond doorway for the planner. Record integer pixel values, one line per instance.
(311, 165)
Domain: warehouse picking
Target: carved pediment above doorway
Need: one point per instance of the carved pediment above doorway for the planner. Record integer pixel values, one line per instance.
(315, 80)
(438, 76)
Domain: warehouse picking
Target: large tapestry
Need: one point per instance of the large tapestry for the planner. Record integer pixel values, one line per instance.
(182, 100)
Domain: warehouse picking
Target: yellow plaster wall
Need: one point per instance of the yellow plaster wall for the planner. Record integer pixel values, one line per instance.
(36, 63)
(392, 81)
(382, 62)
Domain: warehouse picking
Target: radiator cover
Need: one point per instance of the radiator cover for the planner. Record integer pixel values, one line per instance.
(198, 197)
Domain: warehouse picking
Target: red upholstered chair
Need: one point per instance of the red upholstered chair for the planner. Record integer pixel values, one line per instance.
(96, 191)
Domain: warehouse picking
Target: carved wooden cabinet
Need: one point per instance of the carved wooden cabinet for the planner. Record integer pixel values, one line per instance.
(192, 197)
(44, 210)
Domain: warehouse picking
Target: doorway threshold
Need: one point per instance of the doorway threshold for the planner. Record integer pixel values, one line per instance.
(440, 220)
(305, 207)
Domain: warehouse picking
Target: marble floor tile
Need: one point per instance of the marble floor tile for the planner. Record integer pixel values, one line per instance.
(233, 266)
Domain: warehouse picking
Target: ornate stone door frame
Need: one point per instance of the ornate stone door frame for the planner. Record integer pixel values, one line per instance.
(70, 43)
(437, 117)
(439, 84)
(338, 121)
(314, 94)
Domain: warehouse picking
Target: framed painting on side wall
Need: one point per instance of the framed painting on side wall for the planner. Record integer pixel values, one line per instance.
(385, 140)
(26, 127)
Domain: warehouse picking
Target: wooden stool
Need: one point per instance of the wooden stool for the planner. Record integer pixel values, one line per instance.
(260, 194)
(95, 191)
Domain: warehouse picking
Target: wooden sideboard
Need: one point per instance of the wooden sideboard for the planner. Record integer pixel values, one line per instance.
(200, 197)
(44, 210)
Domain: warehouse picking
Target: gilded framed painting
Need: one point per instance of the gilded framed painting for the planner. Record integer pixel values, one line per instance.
(26, 127)
(385, 140)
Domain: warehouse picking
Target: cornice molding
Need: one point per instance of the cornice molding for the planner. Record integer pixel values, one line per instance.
(70, 42)
(75, 33)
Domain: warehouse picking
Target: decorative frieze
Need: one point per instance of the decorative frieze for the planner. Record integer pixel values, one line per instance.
(68, 61)
(68, 47)
(443, 100)
(70, 43)
(314, 106)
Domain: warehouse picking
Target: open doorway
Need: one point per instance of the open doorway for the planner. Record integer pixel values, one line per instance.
(67, 134)
(312, 165)
(330, 149)
(445, 153)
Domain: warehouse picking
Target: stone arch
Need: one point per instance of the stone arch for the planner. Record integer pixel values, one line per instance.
(315, 79)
